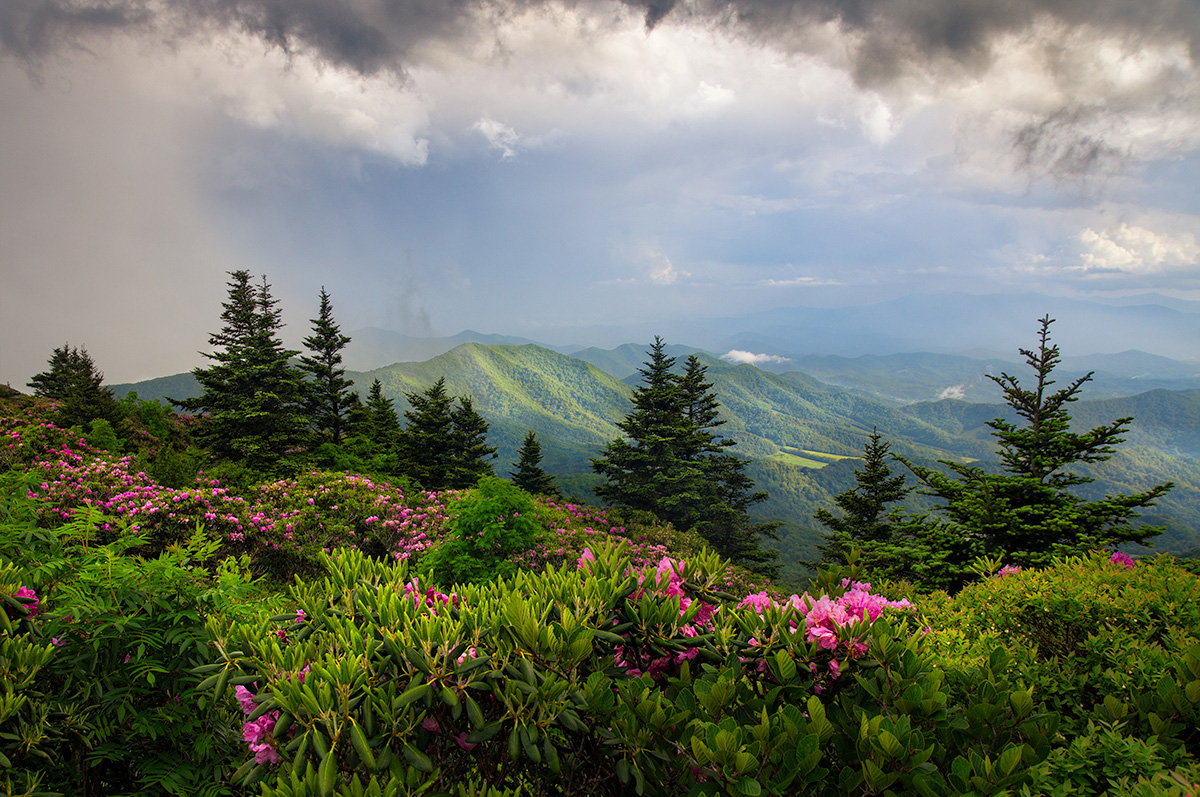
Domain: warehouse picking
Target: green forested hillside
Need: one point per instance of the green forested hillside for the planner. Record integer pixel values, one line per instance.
(802, 434)
(572, 405)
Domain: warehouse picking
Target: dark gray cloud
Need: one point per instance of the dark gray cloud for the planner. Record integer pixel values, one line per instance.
(30, 28)
(1062, 146)
(920, 29)
(370, 35)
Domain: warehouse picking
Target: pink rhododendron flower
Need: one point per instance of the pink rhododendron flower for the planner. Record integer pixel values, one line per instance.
(246, 699)
(26, 592)
(1122, 559)
(257, 735)
(585, 560)
(1008, 570)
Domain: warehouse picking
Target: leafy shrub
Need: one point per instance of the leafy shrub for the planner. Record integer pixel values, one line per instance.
(540, 682)
(293, 521)
(489, 525)
(1101, 641)
(1101, 761)
(106, 699)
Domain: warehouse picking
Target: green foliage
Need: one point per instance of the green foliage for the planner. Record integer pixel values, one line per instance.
(327, 395)
(251, 395)
(489, 525)
(162, 442)
(76, 385)
(1106, 761)
(1102, 642)
(1029, 511)
(670, 463)
(99, 697)
(864, 508)
(444, 446)
(512, 685)
(529, 476)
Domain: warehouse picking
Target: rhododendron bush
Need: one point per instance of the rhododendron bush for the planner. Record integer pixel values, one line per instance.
(598, 678)
(284, 525)
(138, 656)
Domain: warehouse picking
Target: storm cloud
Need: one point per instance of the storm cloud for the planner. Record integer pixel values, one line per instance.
(890, 38)
(522, 165)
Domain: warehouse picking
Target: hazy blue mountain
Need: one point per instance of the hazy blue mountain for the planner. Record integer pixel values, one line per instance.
(177, 386)
(924, 376)
(977, 326)
(624, 361)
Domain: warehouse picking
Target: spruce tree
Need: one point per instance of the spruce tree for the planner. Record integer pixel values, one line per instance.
(328, 397)
(471, 455)
(251, 396)
(529, 475)
(717, 506)
(427, 440)
(671, 464)
(1028, 512)
(865, 507)
(73, 381)
(382, 425)
(642, 470)
(443, 446)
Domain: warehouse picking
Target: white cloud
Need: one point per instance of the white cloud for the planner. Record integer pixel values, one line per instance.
(500, 136)
(800, 282)
(1138, 250)
(663, 271)
(953, 392)
(745, 357)
(264, 88)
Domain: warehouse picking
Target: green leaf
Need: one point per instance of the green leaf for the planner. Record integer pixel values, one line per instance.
(411, 696)
(749, 787)
(359, 740)
(417, 759)
(1021, 701)
(327, 775)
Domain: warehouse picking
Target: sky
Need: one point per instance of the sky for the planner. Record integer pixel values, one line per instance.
(533, 168)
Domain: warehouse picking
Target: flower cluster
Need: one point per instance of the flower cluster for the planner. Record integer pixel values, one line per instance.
(824, 616)
(429, 597)
(1122, 559)
(258, 732)
(26, 592)
(1008, 570)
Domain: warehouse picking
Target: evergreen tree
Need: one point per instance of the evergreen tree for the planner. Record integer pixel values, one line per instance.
(471, 455)
(529, 475)
(328, 397)
(674, 466)
(643, 470)
(73, 381)
(718, 506)
(443, 446)
(251, 395)
(382, 425)
(426, 442)
(865, 507)
(1027, 512)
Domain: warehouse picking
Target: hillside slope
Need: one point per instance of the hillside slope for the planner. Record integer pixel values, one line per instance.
(801, 434)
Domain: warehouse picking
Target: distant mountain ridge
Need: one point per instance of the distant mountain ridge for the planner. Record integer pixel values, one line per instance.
(955, 323)
(802, 434)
